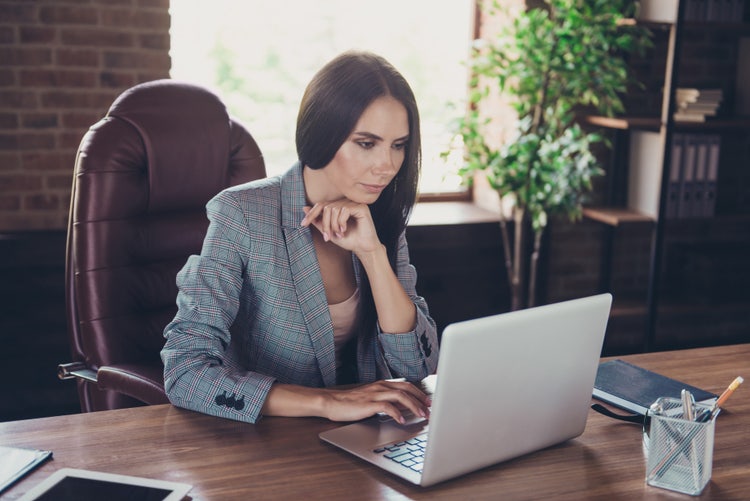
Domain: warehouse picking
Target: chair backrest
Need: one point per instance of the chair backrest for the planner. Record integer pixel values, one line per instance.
(143, 175)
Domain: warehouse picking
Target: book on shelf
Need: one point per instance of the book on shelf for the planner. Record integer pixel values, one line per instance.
(689, 117)
(694, 105)
(634, 388)
(705, 109)
(698, 95)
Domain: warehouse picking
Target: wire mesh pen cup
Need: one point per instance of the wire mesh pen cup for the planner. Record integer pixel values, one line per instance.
(680, 451)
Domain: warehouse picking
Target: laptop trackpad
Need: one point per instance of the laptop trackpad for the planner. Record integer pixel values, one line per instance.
(372, 433)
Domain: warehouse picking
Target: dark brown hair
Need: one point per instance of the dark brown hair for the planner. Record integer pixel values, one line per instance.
(332, 104)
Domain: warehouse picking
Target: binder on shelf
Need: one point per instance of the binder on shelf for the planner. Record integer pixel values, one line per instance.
(693, 171)
(699, 182)
(722, 11)
(742, 90)
(675, 175)
(696, 10)
(712, 172)
(684, 208)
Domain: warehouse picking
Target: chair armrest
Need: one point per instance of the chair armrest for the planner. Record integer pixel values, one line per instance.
(76, 370)
(142, 382)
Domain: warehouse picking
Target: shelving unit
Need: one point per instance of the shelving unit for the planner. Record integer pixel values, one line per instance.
(672, 238)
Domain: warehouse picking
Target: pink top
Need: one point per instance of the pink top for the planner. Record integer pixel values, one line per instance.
(343, 316)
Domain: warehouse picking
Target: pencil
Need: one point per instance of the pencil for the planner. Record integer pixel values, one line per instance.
(728, 392)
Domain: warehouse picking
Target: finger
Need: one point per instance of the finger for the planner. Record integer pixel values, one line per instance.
(311, 213)
(420, 399)
(411, 389)
(335, 211)
(405, 400)
(352, 405)
(409, 405)
(326, 223)
(392, 411)
(344, 215)
(338, 221)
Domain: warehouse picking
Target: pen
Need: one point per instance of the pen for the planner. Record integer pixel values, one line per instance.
(687, 405)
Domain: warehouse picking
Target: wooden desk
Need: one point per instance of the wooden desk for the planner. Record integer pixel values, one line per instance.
(283, 457)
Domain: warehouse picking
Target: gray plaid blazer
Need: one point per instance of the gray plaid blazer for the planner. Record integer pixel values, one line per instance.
(252, 309)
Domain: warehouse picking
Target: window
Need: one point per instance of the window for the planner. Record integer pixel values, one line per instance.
(259, 55)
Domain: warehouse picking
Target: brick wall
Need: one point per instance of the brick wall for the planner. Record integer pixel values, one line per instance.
(62, 63)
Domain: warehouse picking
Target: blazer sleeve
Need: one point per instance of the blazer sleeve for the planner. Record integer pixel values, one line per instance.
(411, 355)
(199, 371)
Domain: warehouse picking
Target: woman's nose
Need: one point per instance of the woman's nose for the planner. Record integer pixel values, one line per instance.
(387, 162)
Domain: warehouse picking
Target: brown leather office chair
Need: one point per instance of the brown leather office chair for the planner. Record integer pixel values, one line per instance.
(143, 175)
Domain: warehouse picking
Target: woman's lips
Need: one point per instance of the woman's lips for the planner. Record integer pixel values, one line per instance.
(374, 188)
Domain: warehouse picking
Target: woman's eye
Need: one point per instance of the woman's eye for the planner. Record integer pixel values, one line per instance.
(399, 146)
(366, 144)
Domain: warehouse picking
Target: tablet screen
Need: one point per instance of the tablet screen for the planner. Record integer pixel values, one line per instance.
(69, 484)
(70, 488)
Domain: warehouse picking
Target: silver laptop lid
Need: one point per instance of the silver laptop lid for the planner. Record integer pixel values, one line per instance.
(513, 383)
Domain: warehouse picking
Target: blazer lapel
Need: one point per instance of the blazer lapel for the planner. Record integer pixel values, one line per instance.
(306, 273)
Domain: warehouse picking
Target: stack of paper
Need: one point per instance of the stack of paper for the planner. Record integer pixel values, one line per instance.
(16, 462)
(694, 105)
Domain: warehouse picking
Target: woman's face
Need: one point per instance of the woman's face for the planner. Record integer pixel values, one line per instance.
(372, 154)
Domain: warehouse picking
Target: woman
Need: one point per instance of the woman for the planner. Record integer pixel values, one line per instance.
(304, 281)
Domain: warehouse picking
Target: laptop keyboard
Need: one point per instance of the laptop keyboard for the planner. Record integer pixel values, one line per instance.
(409, 453)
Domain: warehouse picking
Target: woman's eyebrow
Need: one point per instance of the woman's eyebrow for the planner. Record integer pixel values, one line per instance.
(370, 135)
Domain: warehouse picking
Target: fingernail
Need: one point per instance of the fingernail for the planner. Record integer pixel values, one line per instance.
(326, 237)
(339, 235)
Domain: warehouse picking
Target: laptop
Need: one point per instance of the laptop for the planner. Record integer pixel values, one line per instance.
(507, 385)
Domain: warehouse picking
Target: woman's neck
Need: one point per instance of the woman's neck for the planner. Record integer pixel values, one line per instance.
(317, 186)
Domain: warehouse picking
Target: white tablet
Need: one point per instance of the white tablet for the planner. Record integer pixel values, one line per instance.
(67, 484)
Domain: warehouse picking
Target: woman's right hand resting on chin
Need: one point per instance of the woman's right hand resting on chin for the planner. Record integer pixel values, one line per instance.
(347, 404)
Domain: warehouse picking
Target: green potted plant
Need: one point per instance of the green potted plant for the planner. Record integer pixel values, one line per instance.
(551, 62)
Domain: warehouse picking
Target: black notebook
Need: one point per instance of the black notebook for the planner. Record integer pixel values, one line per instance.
(16, 462)
(634, 388)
